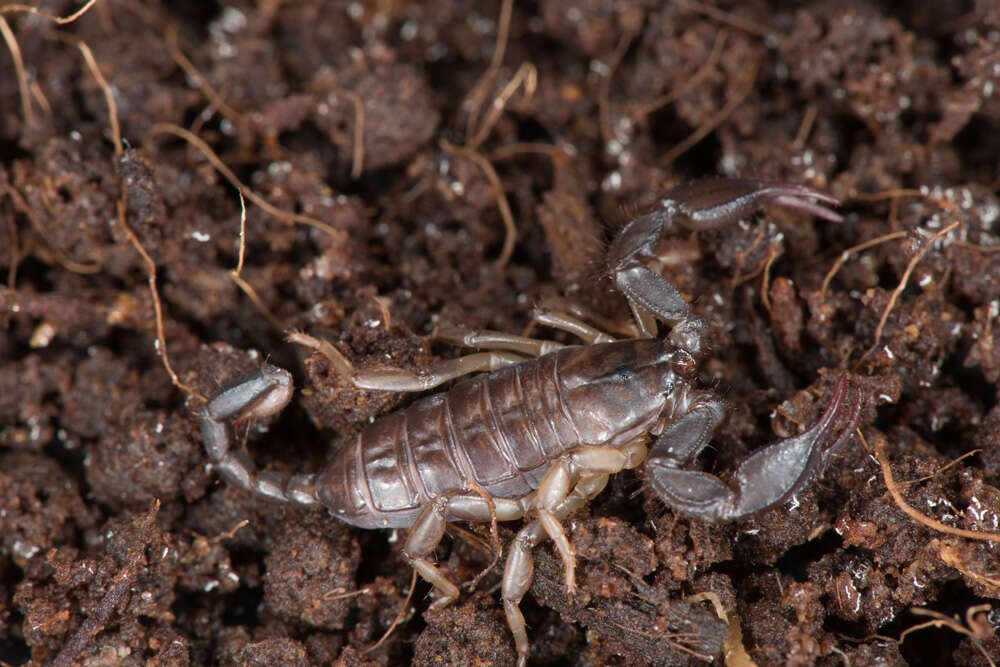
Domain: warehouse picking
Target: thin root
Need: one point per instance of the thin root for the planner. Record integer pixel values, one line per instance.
(765, 284)
(808, 119)
(510, 227)
(161, 340)
(526, 76)
(975, 629)
(604, 93)
(214, 98)
(707, 67)
(844, 256)
(399, 617)
(109, 97)
(9, 9)
(727, 18)
(243, 284)
(227, 173)
(897, 496)
(473, 102)
(928, 244)
(750, 72)
(22, 75)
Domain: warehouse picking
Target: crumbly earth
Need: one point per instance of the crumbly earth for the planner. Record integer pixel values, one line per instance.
(387, 131)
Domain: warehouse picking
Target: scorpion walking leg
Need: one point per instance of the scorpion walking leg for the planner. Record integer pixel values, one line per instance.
(260, 394)
(400, 379)
(574, 325)
(555, 488)
(766, 478)
(487, 339)
(520, 566)
(428, 529)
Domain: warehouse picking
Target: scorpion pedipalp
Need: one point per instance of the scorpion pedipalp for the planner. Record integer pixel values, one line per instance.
(699, 205)
(766, 478)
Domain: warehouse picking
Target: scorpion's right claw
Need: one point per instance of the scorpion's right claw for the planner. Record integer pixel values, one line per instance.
(766, 478)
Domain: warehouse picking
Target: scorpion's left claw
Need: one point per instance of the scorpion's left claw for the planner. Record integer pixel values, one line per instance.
(699, 205)
(713, 202)
(767, 478)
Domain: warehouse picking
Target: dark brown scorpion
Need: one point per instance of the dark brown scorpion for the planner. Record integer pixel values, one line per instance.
(538, 437)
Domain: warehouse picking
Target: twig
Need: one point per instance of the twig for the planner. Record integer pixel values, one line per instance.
(934, 524)
(22, 75)
(109, 97)
(227, 173)
(7, 9)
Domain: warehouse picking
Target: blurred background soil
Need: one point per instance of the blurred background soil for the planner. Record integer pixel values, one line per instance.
(410, 165)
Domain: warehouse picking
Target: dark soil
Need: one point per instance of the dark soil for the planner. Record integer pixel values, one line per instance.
(892, 107)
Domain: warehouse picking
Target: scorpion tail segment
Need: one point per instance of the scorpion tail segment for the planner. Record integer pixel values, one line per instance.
(711, 203)
(767, 478)
(260, 394)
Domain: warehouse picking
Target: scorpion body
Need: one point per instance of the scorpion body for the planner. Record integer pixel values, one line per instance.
(500, 430)
(539, 436)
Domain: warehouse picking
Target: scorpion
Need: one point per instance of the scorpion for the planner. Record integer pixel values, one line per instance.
(537, 432)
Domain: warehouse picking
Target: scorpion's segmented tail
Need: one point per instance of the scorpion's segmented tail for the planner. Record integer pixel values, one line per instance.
(260, 394)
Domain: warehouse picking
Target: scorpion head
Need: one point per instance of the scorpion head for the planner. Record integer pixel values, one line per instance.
(615, 392)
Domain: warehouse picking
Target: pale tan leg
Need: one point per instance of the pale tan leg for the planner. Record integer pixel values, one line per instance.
(485, 339)
(520, 567)
(580, 312)
(400, 379)
(572, 324)
(555, 488)
(428, 529)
